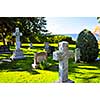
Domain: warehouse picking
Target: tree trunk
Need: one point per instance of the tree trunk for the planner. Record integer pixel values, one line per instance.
(4, 43)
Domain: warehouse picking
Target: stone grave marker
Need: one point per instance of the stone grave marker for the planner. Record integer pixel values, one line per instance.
(46, 47)
(17, 54)
(62, 56)
(31, 46)
(49, 49)
(77, 55)
(38, 57)
(4, 49)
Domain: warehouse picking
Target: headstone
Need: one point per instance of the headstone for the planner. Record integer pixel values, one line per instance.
(49, 49)
(8, 44)
(38, 57)
(17, 54)
(4, 49)
(77, 55)
(31, 45)
(46, 46)
(52, 49)
(62, 56)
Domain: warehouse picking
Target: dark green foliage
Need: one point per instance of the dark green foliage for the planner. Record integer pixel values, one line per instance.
(29, 26)
(98, 19)
(43, 65)
(59, 38)
(88, 45)
(41, 38)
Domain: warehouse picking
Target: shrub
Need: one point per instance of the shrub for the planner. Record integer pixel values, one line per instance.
(59, 38)
(43, 65)
(88, 45)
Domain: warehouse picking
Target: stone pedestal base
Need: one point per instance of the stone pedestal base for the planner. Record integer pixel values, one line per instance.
(17, 54)
(67, 81)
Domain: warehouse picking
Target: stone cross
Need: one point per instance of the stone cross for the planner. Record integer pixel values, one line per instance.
(62, 56)
(17, 34)
(77, 55)
(17, 54)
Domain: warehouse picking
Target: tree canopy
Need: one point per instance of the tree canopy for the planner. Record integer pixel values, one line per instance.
(29, 26)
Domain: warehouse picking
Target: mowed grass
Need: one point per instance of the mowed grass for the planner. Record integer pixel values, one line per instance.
(84, 72)
(37, 76)
(10, 71)
(78, 72)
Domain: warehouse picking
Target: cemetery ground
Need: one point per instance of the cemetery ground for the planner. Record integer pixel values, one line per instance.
(19, 71)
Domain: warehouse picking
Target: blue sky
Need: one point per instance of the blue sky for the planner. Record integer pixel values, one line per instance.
(67, 25)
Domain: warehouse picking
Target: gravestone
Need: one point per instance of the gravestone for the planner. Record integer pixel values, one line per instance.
(4, 49)
(62, 55)
(8, 44)
(46, 47)
(77, 55)
(17, 54)
(49, 49)
(31, 45)
(38, 57)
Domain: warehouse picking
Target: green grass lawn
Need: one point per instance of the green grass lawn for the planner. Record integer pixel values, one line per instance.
(79, 73)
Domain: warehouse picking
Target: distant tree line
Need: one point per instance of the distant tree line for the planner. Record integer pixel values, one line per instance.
(51, 39)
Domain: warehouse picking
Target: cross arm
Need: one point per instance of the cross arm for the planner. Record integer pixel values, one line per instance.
(57, 55)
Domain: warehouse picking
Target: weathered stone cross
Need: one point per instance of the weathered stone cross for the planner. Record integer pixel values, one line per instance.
(17, 54)
(62, 56)
(17, 34)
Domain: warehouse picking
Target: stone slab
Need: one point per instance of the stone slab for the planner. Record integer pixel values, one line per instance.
(6, 60)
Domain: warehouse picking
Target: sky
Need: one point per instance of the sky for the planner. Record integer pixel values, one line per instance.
(69, 25)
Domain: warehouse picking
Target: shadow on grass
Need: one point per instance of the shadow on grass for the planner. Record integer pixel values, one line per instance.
(88, 68)
(19, 65)
(25, 47)
(33, 72)
(71, 48)
(38, 47)
(86, 72)
(11, 69)
(53, 68)
(86, 78)
(2, 56)
(73, 66)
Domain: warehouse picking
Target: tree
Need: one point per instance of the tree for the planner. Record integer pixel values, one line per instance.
(35, 27)
(5, 27)
(29, 26)
(98, 18)
(97, 29)
(88, 46)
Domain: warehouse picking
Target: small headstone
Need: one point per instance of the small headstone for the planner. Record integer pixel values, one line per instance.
(8, 44)
(77, 55)
(52, 49)
(62, 56)
(31, 45)
(38, 57)
(49, 49)
(4, 49)
(46, 46)
(17, 54)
